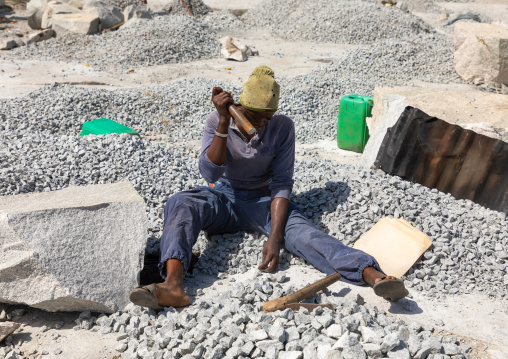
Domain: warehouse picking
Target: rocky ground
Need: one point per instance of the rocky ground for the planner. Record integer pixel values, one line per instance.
(320, 51)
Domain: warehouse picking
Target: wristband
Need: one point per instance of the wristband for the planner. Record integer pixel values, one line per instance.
(223, 135)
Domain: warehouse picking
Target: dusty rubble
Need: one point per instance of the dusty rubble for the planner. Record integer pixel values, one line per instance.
(40, 151)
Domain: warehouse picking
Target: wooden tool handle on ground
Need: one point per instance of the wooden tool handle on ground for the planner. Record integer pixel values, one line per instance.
(240, 118)
(298, 296)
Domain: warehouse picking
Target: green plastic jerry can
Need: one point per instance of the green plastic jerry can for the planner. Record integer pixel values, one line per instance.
(104, 126)
(352, 130)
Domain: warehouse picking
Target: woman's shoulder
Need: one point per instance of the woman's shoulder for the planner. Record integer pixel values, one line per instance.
(282, 120)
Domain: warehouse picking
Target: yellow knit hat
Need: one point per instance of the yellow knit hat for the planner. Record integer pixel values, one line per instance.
(260, 91)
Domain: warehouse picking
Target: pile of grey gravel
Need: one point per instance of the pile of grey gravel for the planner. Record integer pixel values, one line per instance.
(162, 40)
(197, 7)
(470, 250)
(338, 21)
(224, 20)
(177, 109)
(312, 100)
(233, 325)
(121, 4)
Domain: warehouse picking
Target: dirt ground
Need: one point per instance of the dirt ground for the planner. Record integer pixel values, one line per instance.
(480, 321)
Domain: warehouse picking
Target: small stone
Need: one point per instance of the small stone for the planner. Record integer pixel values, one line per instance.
(402, 353)
(121, 347)
(58, 351)
(258, 335)
(390, 341)
(335, 331)
(373, 351)
(277, 332)
(291, 355)
(370, 336)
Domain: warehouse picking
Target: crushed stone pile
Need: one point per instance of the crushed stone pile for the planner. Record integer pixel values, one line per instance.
(233, 325)
(162, 40)
(197, 7)
(470, 250)
(224, 20)
(338, 21)
(121, 4)
(178, 109)
(312, 100)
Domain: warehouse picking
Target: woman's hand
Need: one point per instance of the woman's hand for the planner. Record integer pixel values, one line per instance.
(220, 100)
(271, 253)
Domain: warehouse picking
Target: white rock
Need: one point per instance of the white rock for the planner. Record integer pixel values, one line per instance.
(370, 336)
(35, 11)
(231, 51)
(136, 11)
(481, 52)
(291, 355)
(85, 24)
(75, 249)
(34, 5)
(335, 331)
(109, 15)
(53, 8)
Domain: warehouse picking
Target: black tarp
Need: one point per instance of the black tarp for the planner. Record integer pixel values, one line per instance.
(436, 154)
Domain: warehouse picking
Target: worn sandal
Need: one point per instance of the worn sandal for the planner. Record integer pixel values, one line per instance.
(145, 296)
(390, 288)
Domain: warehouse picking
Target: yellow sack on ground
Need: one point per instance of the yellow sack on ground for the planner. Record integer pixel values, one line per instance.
(395, 244)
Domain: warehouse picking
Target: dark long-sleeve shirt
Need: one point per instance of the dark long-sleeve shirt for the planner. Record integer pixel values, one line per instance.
(267, 159)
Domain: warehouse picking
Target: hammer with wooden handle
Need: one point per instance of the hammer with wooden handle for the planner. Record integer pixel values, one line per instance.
(302, 294)
(241, 119)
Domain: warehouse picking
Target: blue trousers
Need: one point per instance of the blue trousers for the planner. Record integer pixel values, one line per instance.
(224, 209)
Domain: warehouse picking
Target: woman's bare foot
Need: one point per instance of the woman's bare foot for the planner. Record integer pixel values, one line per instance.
(171, 295)
(388, 287)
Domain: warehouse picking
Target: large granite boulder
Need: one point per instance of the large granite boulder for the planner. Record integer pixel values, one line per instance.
(109, 15)
(35, 12)
(75, 249)
(85, 24)
(54, 8)
(136, 11)
(483, 112)
(481, 52)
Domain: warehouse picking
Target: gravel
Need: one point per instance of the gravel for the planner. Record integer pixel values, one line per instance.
(40, 150)
(162, 40)
(232, 324)
(470, 242)
(121, 4)
(337, 21)
(224, 20)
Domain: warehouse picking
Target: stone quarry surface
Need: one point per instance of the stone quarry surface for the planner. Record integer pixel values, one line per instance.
(455, 106)
(40, 151)
(72, 250)
(75, 23)
(481, 52)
